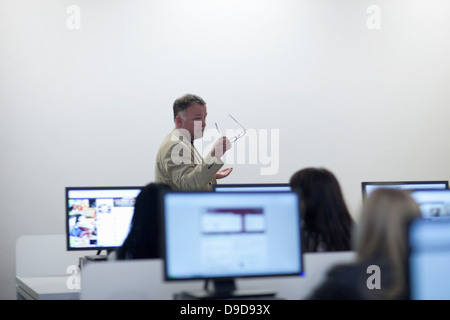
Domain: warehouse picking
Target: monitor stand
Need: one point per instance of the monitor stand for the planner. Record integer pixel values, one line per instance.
(226, 289)
(97, 257)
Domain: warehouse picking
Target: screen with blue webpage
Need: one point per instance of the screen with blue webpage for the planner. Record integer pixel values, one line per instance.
(213, 235)
(98, 218)
(429, 259)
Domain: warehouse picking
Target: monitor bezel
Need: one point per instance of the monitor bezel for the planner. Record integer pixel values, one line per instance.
(163, 239)
(67, 190)
(250, 185)
(404, 182)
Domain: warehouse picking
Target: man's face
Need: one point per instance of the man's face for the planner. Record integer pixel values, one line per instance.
(193, 119)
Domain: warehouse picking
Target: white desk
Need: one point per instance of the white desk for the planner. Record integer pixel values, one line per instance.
(43, 267)
(45, 288)
(143, 280)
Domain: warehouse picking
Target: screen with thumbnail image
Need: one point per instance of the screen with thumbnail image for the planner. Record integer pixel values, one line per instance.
(434, 204)
(368, 187)
(98, 217)
(215, 235)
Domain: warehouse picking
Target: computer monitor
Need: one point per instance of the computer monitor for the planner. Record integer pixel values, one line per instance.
(429, 259)
(252, 187)
(98, 218)
(433, 203)
(221, 236)
(368, 187)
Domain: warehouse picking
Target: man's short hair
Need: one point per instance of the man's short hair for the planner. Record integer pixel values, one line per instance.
(184, 102)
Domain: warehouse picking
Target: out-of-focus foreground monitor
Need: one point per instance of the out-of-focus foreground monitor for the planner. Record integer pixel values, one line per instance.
(252, 187)
(225, 235)
(429, 259)
(368, 187)
(98, 218)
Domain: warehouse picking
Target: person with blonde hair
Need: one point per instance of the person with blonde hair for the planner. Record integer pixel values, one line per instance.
(380, 241)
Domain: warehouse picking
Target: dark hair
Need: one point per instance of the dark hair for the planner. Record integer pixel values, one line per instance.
(184, 102)
(143, 240)
(326, 221)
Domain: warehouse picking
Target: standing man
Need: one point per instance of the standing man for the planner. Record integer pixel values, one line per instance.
(178, 163)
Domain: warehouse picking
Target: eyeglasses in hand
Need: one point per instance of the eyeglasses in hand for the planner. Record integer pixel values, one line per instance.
(240, 135)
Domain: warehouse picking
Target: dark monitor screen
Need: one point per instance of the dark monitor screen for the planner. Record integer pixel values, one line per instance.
(429, 259)
(252, 187)
(98, 218)
(368, 187)
(226, 235)
(433, 203)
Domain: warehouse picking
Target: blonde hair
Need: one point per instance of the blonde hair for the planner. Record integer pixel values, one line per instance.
(382, 233)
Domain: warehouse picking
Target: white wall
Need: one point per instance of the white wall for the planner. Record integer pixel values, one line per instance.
(90, 106)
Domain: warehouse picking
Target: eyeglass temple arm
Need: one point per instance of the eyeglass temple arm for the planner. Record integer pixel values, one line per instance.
(236, 122)
(217, 127)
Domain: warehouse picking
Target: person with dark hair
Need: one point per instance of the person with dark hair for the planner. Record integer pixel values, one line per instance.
(326, 221)
(178, 163)
(380, 269)
(143, 240)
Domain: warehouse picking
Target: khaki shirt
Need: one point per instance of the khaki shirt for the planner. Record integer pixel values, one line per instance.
(180, 165)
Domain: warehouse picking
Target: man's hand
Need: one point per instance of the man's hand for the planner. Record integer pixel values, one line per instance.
(221, 146)
(223, 173)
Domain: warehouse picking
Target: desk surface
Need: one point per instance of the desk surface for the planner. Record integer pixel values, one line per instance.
(46, 288)
(142, 279)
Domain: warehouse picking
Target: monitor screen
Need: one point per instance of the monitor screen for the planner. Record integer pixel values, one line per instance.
(434, 204)
(227, 235)
(98, 218)
(368, 187)
(254, 187)
(429, 259)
